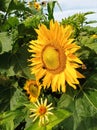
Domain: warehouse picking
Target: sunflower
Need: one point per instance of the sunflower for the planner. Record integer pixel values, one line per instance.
(41, 111)
(94, 36)
(33, 90)
(53, 59)
(37, 6)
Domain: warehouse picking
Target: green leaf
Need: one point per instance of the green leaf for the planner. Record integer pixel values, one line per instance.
(65, 102)
(18, 99)
(91, 22)
(10, 124)
(7, 120)
(13, 21)
(16, 64)
(50, 7)
(34, 126)
(20, 63)
(59, 5)
(59, 115)
(10, 99)
(5, 65)
(7, 3)
(83, 107)
(90, 90)
(84, 114)
(4, 4)
(6, 42)
(93, 46)
(91, 82)
(11, 119)
(6, 92)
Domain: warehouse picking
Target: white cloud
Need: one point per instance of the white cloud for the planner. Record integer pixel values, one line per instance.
(77, 4)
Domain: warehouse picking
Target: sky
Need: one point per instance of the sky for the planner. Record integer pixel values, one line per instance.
(70, 7)
(77, 4)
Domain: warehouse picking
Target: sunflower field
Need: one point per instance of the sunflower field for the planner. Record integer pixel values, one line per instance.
(48, 68)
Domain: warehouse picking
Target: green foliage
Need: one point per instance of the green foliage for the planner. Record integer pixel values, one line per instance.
(50, 8)
(78, 22)
(83, 105)
(74, 110)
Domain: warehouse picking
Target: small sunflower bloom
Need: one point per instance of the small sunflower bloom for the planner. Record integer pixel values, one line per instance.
(94, 36)
(37, 6)
(53, 57)
(33, 89)
(42, 111)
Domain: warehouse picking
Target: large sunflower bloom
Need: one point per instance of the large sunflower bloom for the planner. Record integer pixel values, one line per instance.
(53, 57)
(33, 89)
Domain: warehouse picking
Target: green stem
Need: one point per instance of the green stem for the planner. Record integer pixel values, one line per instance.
(45, 128)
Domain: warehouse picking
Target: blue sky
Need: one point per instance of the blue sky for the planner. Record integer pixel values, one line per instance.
(70, 7)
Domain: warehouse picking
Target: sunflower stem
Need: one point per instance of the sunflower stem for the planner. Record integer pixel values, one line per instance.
(44, 128)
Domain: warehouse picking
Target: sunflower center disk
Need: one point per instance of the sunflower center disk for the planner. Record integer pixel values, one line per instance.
(33, 89)
(53, 59)
(42, 110)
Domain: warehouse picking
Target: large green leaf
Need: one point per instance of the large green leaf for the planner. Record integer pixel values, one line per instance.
(6, 42)
(21, 64)
(18, 99)
(10, 119)
(83, 105)
(12, 102)
(5, 65)
(84, 114)
(6, 92)
(7, 120)
(16, 64)
(59, 115)
(4, 4)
